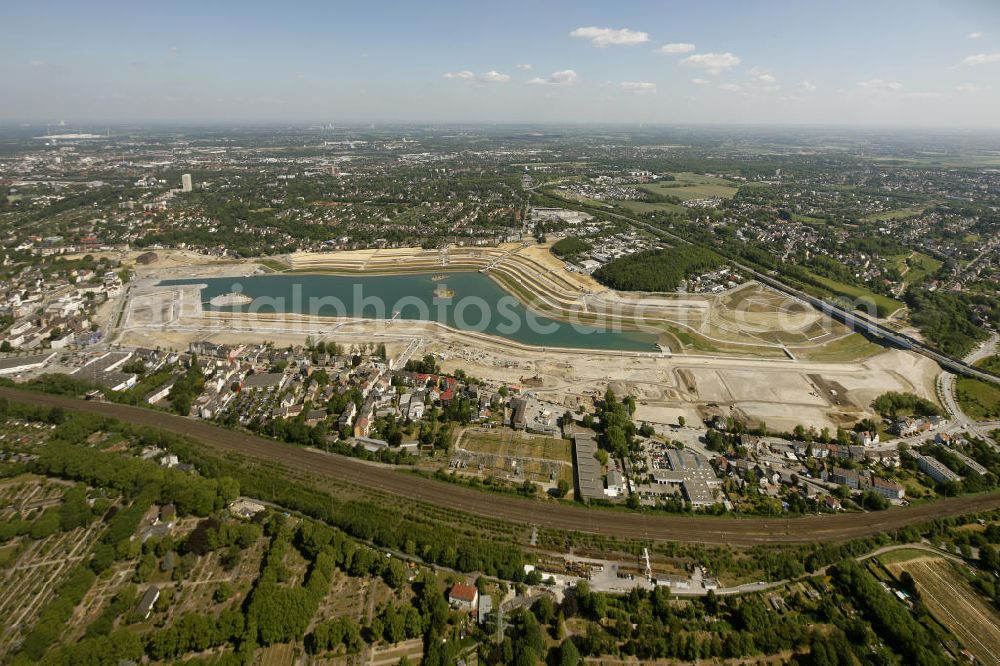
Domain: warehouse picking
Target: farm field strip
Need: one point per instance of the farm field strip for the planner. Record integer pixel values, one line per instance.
(516, 445)
(957, 606)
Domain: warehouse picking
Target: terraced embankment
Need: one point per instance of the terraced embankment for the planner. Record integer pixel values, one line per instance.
(541, 281)
(711, 530)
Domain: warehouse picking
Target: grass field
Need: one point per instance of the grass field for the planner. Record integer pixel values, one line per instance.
(915, 266)
(955, 605)
(808, 219)
(273, 264)
(884, 303)
(276, 655)
(978, 399)
(646, 207)
(849, 348)
(901, 555)
(990, 364)
(897, 214)
(690, 340)
(689, 186)
(915, 489)
(516, 444)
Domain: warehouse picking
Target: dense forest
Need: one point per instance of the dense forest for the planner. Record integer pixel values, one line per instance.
(570, 248)
(893, 404)
(657, 270)
(949, 319)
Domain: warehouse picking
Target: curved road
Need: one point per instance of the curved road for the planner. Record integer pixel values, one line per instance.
(626, 525)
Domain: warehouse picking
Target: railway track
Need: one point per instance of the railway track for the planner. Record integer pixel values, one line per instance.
(626, 525)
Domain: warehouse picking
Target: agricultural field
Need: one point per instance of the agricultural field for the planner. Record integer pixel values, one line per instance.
(984, 159)
(277, 655)
(516, 444)
(514, 456)
(690, 186)
(955, 604)
(642, 207)
(409, 652)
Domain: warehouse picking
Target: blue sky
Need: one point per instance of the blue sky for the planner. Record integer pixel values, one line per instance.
(888, 62)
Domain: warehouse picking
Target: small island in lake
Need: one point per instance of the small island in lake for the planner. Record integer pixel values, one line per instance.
(232, 298)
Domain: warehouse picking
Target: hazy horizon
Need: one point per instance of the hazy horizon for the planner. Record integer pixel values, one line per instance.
(774, 63)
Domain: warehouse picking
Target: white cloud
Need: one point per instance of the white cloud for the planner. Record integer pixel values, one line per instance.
(971, 88)
(677, 47)
(46, 65)
(493, 76)
(976, 35)
(761, 75)
(601, 37)
(807, 86)
(981, 59)
(713, 63)
(525, 66)
(562, 78)
(638, 87)
(878, 85)
(731, 87)
(699, 82)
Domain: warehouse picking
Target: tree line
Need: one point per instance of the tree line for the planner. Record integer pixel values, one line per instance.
(657, 270)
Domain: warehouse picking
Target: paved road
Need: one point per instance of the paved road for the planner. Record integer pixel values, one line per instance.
(713, 530)
(856, 322)
(960, 420)
(984, 350)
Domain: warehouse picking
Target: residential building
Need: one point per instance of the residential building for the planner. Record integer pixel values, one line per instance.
(934, 468)
(464, 597)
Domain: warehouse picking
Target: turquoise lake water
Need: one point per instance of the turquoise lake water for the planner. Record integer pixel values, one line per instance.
(476, 304)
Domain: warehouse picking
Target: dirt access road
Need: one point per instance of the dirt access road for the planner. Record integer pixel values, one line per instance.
(626, 525)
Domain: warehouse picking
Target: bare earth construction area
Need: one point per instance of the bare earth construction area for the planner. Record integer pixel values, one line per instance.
(827, 378)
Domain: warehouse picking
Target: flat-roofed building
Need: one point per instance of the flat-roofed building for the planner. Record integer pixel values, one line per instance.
(934, 468)
(888, 489)
(15, 365)
(589, 477)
